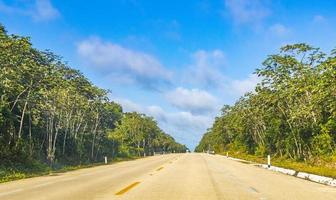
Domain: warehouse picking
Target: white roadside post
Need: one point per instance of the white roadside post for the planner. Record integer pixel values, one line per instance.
(268, 161)
(227, 154)
(105, 160)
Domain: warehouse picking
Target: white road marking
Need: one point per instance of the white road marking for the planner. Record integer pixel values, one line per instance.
(10, 192)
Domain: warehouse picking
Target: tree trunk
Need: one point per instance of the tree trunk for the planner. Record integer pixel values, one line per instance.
(138, 145)
(50, 128)
(144, 147)
(66, 131)
(22, 116)
(30, 135)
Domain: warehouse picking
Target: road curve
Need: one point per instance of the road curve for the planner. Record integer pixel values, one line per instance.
(168, 177)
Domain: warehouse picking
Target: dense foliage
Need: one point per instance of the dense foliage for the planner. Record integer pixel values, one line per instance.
(291, 113)
(50, 112)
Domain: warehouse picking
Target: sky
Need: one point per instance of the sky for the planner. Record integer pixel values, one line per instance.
(178, 61)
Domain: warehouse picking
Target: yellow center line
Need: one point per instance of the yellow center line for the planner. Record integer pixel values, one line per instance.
(127, 188)
(159, 169)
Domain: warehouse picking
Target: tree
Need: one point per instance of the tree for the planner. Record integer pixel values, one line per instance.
(52, 113)
(291, 113)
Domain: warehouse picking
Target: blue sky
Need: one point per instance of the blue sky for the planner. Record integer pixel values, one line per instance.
(178, 61)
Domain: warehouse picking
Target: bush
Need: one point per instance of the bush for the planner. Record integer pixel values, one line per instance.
(260, 150)
(322, 144)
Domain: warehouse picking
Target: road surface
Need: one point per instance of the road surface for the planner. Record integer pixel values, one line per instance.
(170, 177)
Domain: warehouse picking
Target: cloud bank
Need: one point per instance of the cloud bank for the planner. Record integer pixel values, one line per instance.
(195, 101)
(247, 11)
(205, 68)
(118, 61)
(185, 126)
(39, 10)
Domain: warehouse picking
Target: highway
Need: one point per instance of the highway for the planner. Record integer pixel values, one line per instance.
(169, 177)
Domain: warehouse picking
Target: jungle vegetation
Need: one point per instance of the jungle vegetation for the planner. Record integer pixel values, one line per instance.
(291, 113)
(52, 114)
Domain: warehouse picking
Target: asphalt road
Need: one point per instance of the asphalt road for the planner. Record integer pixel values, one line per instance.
(171, 177)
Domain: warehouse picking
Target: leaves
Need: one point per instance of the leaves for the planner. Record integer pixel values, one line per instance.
(289, 110)
(143, 136)
(53, 113)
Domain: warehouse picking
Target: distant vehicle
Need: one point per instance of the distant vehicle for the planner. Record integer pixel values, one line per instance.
(210, 152)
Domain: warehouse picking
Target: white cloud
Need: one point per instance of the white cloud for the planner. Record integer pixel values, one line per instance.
(319, 19)
(194, 100)
(279, 30)
(184, 126)
(116, 60)
(197, 107)
(205, 58)
(39, 10)
(180, 120)
(240, 87)
(204, 70)
(186, 121)
(247, 11)
(155, 111)
(44, 10)
(128, 105)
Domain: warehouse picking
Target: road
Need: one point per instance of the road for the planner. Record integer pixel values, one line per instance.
(171, 177)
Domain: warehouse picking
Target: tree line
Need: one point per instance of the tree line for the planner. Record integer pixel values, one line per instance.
(52, 113)
(291, 113)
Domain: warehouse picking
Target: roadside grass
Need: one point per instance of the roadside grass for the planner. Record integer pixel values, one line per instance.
(20, 171)
(319, 166)
(39, 169)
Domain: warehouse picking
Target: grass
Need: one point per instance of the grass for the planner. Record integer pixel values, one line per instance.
(9, 173)
(318, 166)
(39, 169)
